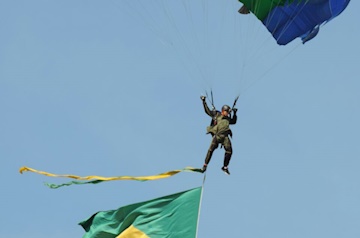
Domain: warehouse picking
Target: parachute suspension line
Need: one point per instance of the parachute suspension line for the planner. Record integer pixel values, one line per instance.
(259, 50)
(259, 46)
(248, 33)
(246, 54)
(190, 16)
(220, 40)
(203, 43)
(293, 17)
(249, 43)
(255, 29)
(183, 43)
(262, 44)
(267, 39)
(248, 36)
(205, 7)
(201, 196)
(259, 26)
(149, 24)
(269, 69)
(211, 99)
(239, 45)
(154, 26)
(235, 102)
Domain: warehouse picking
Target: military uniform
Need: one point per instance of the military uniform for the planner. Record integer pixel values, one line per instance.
(220, 130)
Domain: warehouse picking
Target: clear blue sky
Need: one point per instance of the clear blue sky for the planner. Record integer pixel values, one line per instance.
(112, 88)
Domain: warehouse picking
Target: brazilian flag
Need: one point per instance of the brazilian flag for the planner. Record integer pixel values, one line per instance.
(172, 216)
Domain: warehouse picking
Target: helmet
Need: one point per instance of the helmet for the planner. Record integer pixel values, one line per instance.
(226, 108)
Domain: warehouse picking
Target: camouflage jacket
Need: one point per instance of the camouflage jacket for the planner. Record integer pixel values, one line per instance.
(220, 125)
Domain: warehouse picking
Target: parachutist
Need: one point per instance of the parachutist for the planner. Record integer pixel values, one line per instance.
(220, 130)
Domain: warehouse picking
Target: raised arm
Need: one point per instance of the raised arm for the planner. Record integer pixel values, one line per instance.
(206, 108)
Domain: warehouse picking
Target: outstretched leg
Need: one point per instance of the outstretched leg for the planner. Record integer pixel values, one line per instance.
(214, 144)
(227, 156)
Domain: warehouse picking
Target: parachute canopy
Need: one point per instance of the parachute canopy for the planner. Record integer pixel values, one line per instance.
(289, 19)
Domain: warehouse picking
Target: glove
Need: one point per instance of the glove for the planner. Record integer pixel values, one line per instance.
(203, 98)
(234, 110)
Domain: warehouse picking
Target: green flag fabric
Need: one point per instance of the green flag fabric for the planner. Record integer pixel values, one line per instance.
(172, 216)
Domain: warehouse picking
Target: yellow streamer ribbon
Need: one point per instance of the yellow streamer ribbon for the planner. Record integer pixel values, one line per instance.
(95, 177)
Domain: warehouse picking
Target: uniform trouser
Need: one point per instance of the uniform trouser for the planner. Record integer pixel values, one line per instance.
(225, 141)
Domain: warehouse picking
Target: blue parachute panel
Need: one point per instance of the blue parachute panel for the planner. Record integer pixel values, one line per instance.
(301, 18)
